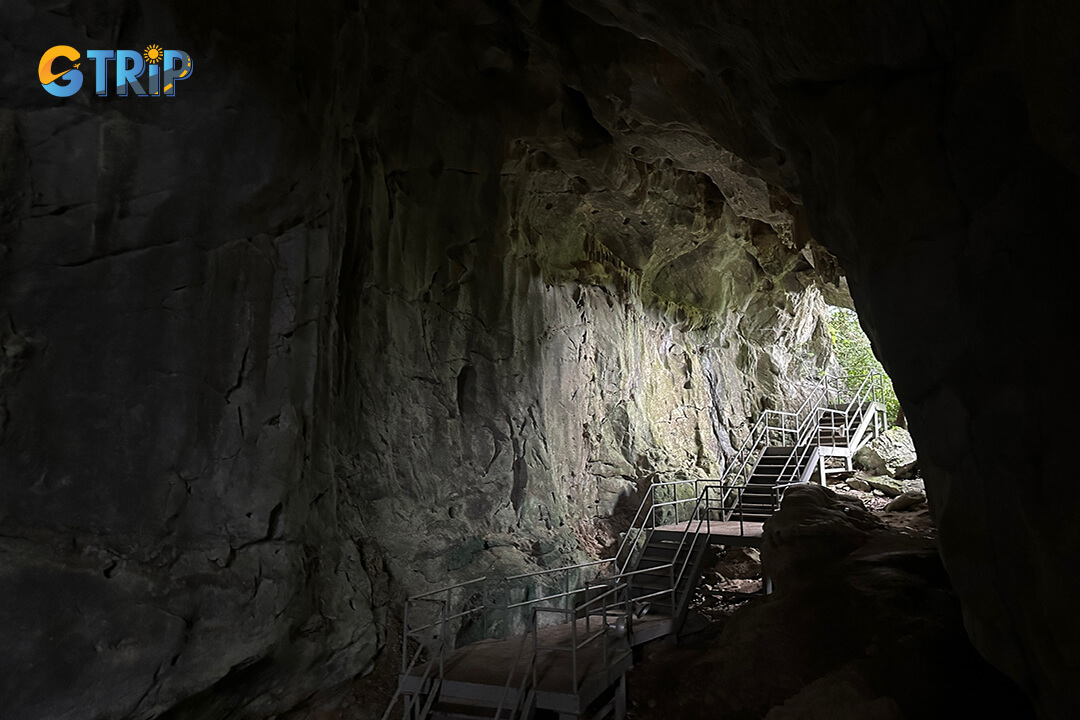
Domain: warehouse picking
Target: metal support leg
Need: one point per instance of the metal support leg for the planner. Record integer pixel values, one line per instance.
(620, 699)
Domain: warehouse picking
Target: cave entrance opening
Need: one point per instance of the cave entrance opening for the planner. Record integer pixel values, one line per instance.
(855, 357)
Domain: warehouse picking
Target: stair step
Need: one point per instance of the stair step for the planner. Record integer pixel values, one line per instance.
(647, 563)
(752, 517)
(462, 711)
(757, 491)
(659, 568)
(661, 582)
(667, 536)
(769, 478)
(650, 582)
(669, 549)
(663, 553)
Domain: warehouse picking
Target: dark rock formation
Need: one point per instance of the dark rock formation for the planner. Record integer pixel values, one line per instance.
(380, 308)
(861, 624)
(391, 293)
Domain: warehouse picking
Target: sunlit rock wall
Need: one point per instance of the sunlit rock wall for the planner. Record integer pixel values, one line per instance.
(522, 362)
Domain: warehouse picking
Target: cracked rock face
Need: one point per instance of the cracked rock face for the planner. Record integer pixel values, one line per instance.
(294, 346)
(430, 292)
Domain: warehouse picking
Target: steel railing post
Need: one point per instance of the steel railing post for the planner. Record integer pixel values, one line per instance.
(442, 635)
(708, 511)
(536, 650)
(405, 639)
(588, 614)
(567, 602)
(604, 649)
(573, 639)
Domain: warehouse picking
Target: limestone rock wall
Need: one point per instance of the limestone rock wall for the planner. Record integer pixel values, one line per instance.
(168, 524)
(384, 308)
(248, 331)
(512, 381)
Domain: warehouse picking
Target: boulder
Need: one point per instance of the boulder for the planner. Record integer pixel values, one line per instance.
(861, 625)
(916, 485)
(890, 453)
(887, 485)
(858, 483)
(813, 528)
(906, 501)
(743, 563)
(907, 471)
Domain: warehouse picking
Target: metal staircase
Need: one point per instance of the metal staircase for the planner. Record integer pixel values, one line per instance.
(776, 467)
(561, 640)
(663, 581)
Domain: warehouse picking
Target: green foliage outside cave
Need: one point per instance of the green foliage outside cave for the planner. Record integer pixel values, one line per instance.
(856, 358)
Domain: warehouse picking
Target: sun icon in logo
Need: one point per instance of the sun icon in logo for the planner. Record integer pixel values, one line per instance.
(153, 53)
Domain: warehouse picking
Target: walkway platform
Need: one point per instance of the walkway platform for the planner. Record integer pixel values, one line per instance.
(723, 532)
(476, 674)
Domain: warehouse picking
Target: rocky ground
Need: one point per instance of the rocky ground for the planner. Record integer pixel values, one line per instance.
(862, 624)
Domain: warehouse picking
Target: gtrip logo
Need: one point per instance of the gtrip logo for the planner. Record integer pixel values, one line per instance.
(59, 73)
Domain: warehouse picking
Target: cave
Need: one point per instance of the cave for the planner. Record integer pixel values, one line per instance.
(390, 296)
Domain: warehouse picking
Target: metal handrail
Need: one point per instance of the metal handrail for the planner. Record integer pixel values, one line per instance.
(634, 530)
(447, 588)
(811, 423)
(525, 675)
(591, 636)
(407, 670)
(551, 571)
(757, 440)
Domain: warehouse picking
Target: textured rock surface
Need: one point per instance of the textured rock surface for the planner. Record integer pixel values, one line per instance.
(333, 327)
(909, 500)
(890, 453)
(739, 562)
(890, 487)
(861, 624)
(383, 265)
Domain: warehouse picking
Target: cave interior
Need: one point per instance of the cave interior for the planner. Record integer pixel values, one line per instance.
(390, 296)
